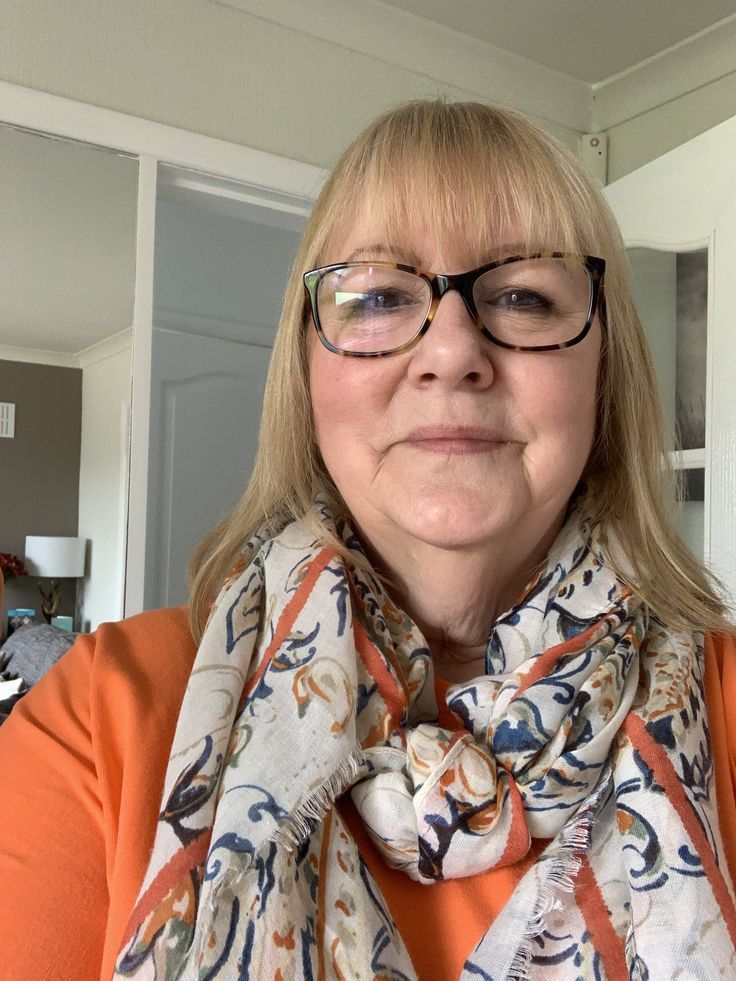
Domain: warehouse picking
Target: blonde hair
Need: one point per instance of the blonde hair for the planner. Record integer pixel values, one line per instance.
(471, 172)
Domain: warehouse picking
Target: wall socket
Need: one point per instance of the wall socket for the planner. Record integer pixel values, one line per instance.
(7, 420)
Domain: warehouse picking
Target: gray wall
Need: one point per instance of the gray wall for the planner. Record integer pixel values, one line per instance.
(39, 469)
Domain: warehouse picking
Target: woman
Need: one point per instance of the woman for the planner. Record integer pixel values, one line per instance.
(452, 712)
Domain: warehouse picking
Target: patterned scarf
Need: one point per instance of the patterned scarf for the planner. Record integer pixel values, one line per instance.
(588, 728)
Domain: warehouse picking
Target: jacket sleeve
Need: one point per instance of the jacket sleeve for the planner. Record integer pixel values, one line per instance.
(53, 886)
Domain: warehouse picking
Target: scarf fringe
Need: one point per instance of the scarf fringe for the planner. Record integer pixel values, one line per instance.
(632, 958)
(308, 815)
(294, 832)
(559, 875)
(312, 811)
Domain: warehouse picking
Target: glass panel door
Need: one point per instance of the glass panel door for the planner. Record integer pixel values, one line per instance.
(671, 293)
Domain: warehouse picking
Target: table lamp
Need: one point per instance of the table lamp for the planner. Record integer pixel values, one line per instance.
(54, 558)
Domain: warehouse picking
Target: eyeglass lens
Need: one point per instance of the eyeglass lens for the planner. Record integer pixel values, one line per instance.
(526, 303)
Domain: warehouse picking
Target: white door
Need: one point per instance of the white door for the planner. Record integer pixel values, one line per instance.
(221, 265)
(205, 407)
(678, 218)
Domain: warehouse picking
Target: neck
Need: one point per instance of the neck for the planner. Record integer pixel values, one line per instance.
(455, 595)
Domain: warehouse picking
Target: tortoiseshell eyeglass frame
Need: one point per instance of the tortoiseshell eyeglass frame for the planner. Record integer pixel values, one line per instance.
(441, 283)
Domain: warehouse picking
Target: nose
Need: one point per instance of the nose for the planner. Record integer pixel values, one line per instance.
(452, 353)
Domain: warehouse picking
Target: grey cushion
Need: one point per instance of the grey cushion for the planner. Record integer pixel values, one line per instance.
(33, 649)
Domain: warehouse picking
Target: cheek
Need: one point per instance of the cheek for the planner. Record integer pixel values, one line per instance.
(335, 403)
(557, 398)
(326, 391)
(571, 403)
(348, 407)
(350, 396)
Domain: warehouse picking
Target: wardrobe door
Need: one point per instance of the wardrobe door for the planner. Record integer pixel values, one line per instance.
(221, 265)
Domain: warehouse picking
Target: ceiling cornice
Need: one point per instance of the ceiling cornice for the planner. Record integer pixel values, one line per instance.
(439, 53)
(57, 359)
(106, 348)
(683, 68)
(564, 104)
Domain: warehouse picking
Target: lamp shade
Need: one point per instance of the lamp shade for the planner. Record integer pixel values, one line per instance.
(54, 557)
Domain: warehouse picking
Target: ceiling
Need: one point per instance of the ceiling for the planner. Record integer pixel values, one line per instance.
(590, 40)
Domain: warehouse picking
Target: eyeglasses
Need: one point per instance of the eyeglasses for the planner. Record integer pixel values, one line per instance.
(540, 302)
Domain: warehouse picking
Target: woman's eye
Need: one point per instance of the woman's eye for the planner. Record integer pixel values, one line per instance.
(520, 299)
(373, 302)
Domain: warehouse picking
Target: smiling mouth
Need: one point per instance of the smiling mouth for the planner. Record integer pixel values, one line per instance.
(458, 445)
(457, 440)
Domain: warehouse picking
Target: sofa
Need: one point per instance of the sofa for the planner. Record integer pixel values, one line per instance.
(28, 654)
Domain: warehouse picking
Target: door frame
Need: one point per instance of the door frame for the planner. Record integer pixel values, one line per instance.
(682, 200)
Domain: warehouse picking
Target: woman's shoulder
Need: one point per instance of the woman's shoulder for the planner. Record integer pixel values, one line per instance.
(132, 671)
(720, 677)
(151, 639)
(84, 754)
(720, 663)
(720, 695)
(141, 663)
(164, 626)
(721, 644)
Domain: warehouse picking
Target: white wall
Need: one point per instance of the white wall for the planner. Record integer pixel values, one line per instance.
(103, 478)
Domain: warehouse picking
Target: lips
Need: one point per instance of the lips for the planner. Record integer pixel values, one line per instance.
(456, 439)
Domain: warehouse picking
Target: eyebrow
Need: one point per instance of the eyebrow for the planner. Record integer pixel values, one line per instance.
(390, 251)
(402, 254)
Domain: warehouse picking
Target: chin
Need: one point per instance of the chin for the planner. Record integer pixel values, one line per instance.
(457, 520)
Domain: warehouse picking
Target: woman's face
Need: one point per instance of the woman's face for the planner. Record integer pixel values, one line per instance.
(456, 443)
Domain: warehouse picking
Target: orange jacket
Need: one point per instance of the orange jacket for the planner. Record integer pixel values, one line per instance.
(83, 759)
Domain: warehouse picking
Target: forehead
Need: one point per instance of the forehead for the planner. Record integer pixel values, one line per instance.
(420, 239)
